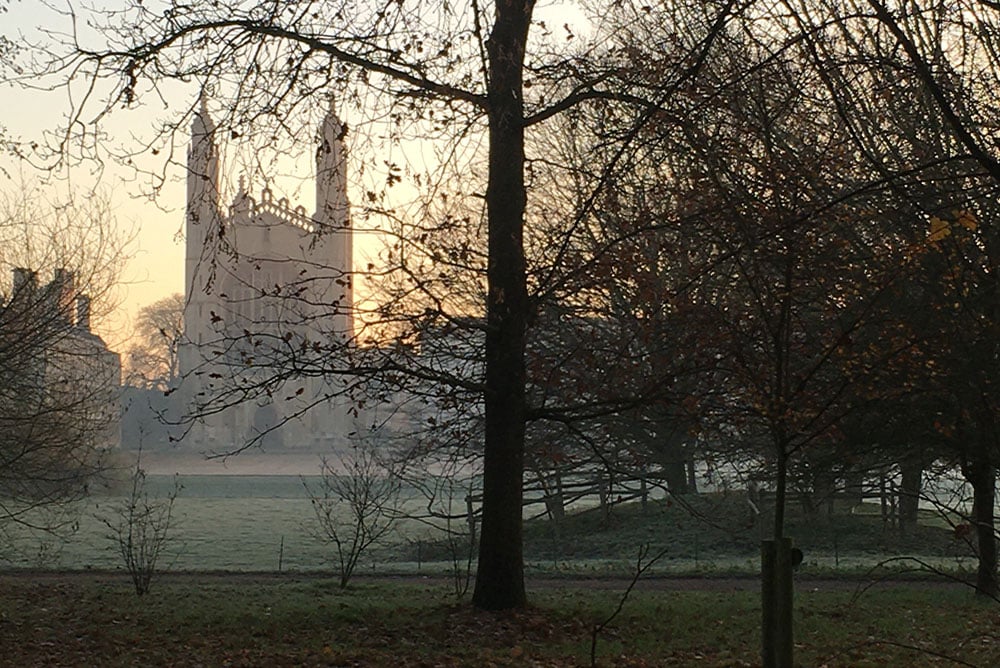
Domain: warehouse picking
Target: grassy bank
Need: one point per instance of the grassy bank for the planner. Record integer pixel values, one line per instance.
(92, 620)
(718, 532)
(266, 523)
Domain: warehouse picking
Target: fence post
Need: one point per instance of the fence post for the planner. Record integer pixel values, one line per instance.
(776, 603)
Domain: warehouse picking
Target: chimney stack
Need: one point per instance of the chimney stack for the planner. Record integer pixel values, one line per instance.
(83, 312)
(25, 281)
(62, 291)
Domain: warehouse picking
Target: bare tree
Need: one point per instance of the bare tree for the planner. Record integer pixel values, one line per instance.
(152, 361)
(8, 48)
(139, 526)
(473, 76)
(356, 505)
(58, 380)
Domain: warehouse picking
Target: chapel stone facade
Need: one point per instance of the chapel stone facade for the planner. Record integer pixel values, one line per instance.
(268, 303)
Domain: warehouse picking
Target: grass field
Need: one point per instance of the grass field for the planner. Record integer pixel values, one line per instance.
(227, 523)
(300, 618)
(91, 620)
(266, 523)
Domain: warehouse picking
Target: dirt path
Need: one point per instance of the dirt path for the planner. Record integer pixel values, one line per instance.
(548, 583)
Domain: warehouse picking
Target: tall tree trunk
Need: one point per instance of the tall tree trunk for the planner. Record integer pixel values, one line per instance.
(500, 573)
(676, 472)
(780, 490)
(911, 474)
(692, 478)
(672, 455)
(883, 498)
(981, 474)
(552, 495)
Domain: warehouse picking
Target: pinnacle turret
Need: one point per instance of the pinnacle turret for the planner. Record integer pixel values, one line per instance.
(202, 126)
(202, 220)
(331, 171)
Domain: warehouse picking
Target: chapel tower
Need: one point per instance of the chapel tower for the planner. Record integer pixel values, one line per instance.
(333, 219)
(202, 223)
(260, 274)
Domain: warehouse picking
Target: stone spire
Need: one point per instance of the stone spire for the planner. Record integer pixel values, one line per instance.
(203, 170)
(331, 172)
(334, 247)
(201, 222)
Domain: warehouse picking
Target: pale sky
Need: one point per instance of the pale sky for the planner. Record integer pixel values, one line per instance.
(156, 268)
(157, 264)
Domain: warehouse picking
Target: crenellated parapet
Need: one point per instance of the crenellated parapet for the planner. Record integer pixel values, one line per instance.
(280, 209)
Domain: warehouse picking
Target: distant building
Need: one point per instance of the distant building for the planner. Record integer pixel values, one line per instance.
(266, 286)
(63, 381)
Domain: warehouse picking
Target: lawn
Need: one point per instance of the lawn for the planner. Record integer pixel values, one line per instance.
(299, 617)
(266, 523)
(233, 620)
